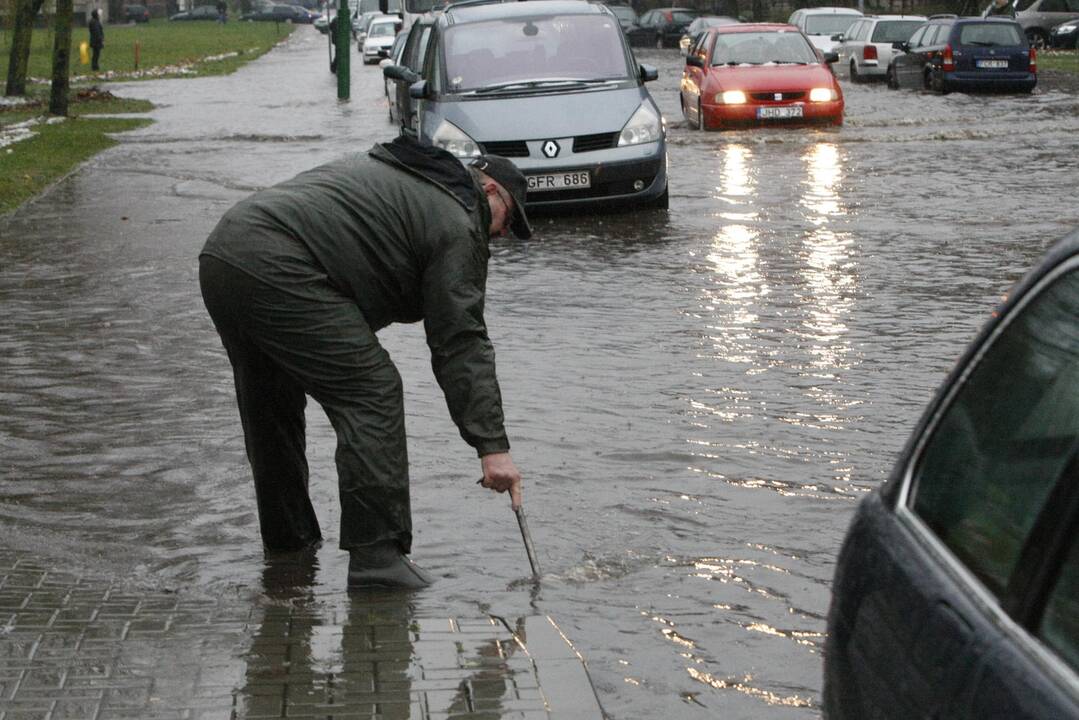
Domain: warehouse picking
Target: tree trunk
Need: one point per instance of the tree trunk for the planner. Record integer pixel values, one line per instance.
(19, 60)
(61, 57)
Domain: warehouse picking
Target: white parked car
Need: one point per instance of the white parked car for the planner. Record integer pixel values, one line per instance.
(821, 23)
(378, 40)
(866, 48)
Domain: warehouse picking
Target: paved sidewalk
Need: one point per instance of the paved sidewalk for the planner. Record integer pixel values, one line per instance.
(82, 647)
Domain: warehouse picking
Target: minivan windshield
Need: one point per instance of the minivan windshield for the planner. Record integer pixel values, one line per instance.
(761, 48)
(535, 50)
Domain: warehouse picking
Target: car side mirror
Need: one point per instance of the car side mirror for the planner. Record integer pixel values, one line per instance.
(649, 73)
(694, 60)
(831, 57)
(399, 72)
(900, 45)
(418, 90)
(838, 37)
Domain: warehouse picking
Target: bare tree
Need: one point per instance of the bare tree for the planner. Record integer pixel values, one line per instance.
(21, 34)
(61, 57)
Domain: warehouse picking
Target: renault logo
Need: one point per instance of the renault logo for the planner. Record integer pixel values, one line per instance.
(550, 149)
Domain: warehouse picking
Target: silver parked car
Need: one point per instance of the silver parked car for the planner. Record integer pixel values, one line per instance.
(1039, 17)
(550, 84)
(865, 50)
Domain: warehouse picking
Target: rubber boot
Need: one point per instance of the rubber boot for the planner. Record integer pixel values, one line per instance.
(384, 565)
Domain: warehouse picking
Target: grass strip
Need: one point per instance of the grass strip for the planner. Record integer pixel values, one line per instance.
(164, 49)
(30, 166)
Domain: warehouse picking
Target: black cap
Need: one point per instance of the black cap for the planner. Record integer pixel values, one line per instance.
(506, 174)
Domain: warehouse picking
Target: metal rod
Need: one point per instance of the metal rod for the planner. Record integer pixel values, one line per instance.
(529, 547)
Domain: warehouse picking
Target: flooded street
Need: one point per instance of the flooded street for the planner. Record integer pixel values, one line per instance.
(697, 398)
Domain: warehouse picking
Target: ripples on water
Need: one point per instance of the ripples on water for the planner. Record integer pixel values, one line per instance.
(697, 398)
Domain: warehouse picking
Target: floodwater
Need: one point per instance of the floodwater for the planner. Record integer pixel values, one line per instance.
(697, 398)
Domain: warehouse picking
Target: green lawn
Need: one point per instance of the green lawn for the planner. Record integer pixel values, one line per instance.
(161, 45)
(1067, 60)
(29, 166)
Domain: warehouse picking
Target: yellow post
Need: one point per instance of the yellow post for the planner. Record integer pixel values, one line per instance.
(138, 48)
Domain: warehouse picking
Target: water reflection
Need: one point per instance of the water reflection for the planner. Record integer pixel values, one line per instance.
(370, 655)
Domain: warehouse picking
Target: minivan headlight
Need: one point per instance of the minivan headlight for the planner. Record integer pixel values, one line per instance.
(454, 140)
(644, 127)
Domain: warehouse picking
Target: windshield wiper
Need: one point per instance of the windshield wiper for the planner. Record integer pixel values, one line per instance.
(981, 43)
(789, 62)
(527, 85)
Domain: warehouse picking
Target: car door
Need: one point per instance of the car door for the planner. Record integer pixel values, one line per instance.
(904, 60)
(920, 56)
(993, 493)
(412, 59)
(960, 601)
(693, 74)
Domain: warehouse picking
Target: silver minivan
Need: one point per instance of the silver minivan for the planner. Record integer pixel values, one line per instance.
(550, 84)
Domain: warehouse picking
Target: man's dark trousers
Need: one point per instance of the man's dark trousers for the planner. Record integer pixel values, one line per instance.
(95, 55)
(284, 346)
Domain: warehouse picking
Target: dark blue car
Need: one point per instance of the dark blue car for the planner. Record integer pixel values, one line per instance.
(956, 593)
(965, 54)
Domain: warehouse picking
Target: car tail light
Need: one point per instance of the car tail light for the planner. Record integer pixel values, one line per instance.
(869, 52)
(948, 62)
(1033, 60)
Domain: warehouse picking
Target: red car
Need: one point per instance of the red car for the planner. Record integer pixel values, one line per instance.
(758, 74)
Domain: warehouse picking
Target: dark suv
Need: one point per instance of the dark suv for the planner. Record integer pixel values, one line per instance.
(965, 54)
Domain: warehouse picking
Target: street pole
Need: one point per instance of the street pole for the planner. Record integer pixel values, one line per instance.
(344, 41)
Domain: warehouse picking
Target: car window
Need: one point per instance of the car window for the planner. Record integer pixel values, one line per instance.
(1073, 6)
(916, 38)
(890, 31)
(682, 16)
(1007, 434)
(1059, 627)
(759, 48)
(829, 24)
(414, 51)
(990, 35)
(1052, 6)
(579, 47)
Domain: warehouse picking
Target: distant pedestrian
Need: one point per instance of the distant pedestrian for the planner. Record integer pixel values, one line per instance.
(222, 12)
(97, 39)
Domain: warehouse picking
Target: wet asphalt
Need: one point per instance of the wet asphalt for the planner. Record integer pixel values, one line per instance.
(697, 398)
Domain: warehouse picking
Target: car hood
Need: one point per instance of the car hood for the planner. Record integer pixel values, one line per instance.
(545, 116)
(772, 78)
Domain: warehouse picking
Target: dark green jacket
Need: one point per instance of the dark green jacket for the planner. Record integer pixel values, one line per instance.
(402, 231)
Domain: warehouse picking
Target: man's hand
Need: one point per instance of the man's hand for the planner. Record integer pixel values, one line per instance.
(500, 475)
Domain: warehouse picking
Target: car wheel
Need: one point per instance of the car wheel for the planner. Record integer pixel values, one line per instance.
(893, 81)
(1037, 38)
(854, 76)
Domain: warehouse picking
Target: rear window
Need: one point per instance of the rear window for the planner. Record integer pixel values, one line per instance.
(990, 35)
(760, 48)
(829, 24)
(572, 47)
(890, 31)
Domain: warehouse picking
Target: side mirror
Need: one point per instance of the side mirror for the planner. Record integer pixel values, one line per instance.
(418, 90)
(900, 45)
(838, 37)
(831, 57)
(649, 73)
(399, 72)
(694, 60)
